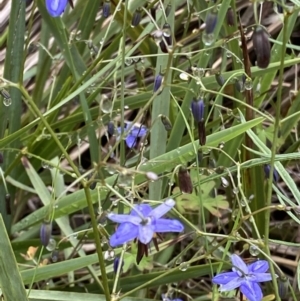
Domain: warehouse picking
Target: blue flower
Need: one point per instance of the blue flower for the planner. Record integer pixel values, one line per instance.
(134, 133)
(56, 7)
(245, 277)
(142, 223)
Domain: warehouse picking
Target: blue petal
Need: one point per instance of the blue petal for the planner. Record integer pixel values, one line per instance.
(123, 218)
(56, 7)
(142, 209)
(239, 265)
(162, 209)
(252, 291)
(125, 233)
(146, 233)
(261, 277)
(167, 225)
(231, 285)
(225, 278)
(138, 131)
(259, 266)
(131, 141)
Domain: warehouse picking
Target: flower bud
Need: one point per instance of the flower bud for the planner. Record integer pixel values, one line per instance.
(111, 128)
(1, 158)
(8, 203)
(239, 86)
(157, 83)
(262, 47)
(168, 9)
(230, 17)
(267, 169)
(197, 107)
(45, 233)
(116, 264)
(106, 9)
(219, 78)
(211, 22)
(184, 180)
(166, 122)
(136, 18)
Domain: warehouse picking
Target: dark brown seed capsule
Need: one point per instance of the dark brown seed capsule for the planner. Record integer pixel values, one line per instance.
(230, 17)
(166, 122)
(220, 79)
(201, 132)
(185, 181)
(262, 47)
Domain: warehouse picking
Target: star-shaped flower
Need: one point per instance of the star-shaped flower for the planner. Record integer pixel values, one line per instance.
(142, 223)
(134, 133)
(245, 277)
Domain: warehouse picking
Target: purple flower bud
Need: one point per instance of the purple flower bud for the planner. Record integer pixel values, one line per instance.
(267, 169)
(211, 22)
(45, 233)
(116, 264)
(197, 107)
(106, 9)
(111, 128)
(136, 18)
(262, 47)
(184, 180)
(230, 17)
(157, 82)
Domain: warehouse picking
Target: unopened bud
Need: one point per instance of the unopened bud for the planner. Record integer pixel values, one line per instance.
(220, 79)
(283, 286)
(117, 263)
(185, 181)
(106, 9)
(136, 18)
(267, 169)
(157, 82)
(262, 47)
(211, 22)
(197, 107)
(166, 122)
(166, 41)
(1, 158)
(152, 176)
(230, 17)
(168, 9)
(45, 233)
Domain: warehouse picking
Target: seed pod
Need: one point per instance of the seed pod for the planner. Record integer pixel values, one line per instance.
(166, 122)
(166, 41)
(219, 78)
(116, 264)
(168, 9)
(157, 82)
(185, 181)
(267, 169)
(262, 47)
(1, 158)
(136, 18)
(230, 17)
(202, 132)
(283, 286)
(8, 203)
(211, 22)
(106, 9)
(197, 107)
(45, 233)
(239, 86)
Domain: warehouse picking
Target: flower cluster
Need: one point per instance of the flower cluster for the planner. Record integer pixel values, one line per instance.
(142, 223)
(244, 277)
